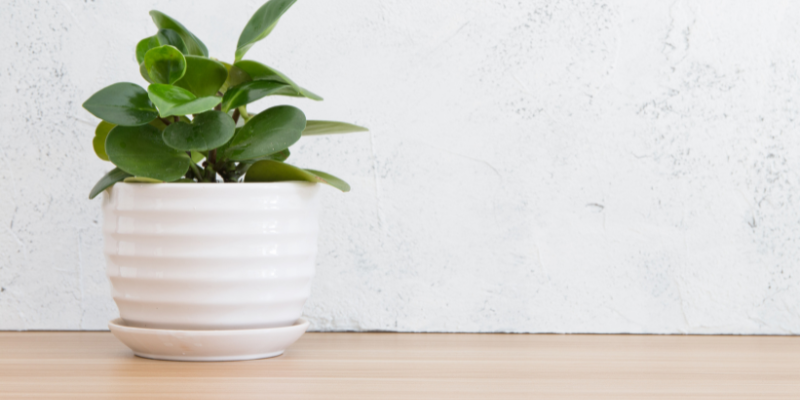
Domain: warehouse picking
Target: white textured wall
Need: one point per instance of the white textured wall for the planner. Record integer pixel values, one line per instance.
(533, 166)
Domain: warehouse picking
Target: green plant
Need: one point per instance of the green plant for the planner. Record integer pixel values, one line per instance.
(192, 124)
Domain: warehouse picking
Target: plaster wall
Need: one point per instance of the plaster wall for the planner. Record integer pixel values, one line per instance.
(532, 166)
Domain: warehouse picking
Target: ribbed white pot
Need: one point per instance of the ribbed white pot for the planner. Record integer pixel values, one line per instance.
(197, 256)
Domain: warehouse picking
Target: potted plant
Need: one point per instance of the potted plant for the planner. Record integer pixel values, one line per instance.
(210, 236)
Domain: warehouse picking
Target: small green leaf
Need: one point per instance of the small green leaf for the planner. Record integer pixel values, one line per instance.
(99, 141)
(331, 180)
(258, 71)
(140, 151)
(173, 100)
(193, 44)
(251, 91)
(269, 132)
(122, 103)
(141, 179)
(158, 124)
(197, 156)
(330, 127)
(276, 171)
(144, 45)
(261, 24)
(207, 131)
(243, 166)
(112, 177)
(204, 76)
(170, 37)
(165, 64)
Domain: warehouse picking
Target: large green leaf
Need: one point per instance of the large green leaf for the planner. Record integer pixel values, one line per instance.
(276, 171)
(112, 177)
(207, 131)
(173, 100)
(204, 76)
(165, 64)
(140, 150)
(249, 92)
(193, 44)
(144, 45)
(330, 127)
(122, 103)
(172, 38)
(99, 141)
(258, 71)
(269, 132)
(261, 24)
(143, 72)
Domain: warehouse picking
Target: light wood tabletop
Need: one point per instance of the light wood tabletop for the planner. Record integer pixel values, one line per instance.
(93, 365)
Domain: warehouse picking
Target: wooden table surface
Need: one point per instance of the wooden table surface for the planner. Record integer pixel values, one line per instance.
(93, 365)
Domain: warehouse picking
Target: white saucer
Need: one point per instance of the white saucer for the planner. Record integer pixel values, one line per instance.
(208, 345)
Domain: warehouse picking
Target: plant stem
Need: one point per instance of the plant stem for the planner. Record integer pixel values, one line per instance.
(165, 121)
(219, 106)
(197, 172)
(236, 114)
(244, 113)
(211, 174)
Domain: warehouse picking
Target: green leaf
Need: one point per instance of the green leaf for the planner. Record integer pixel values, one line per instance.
(99, 141)
(330, 127)
(279, 156)
(140, 151)
(144, 45)
(122, 103)
(173, 100)
(258, 71)
(269, 132)
(197, 157)
(170, 37)
(331, 180)
(143, 72)
(251, 91)
(204, 76)
(207, 131)
(165, 64)
(261, 24)
(243, 166)
(141, 179)
(193, 44)
(159, 124)
(235, 77)
(163, 37)
(276, 171)
(112, 177)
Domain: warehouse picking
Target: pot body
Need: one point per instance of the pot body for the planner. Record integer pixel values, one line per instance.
(210, 256)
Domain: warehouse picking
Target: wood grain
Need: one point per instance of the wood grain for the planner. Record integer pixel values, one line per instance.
(93, 365)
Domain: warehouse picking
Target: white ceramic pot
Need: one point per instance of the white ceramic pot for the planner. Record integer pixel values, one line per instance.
(197, 256)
